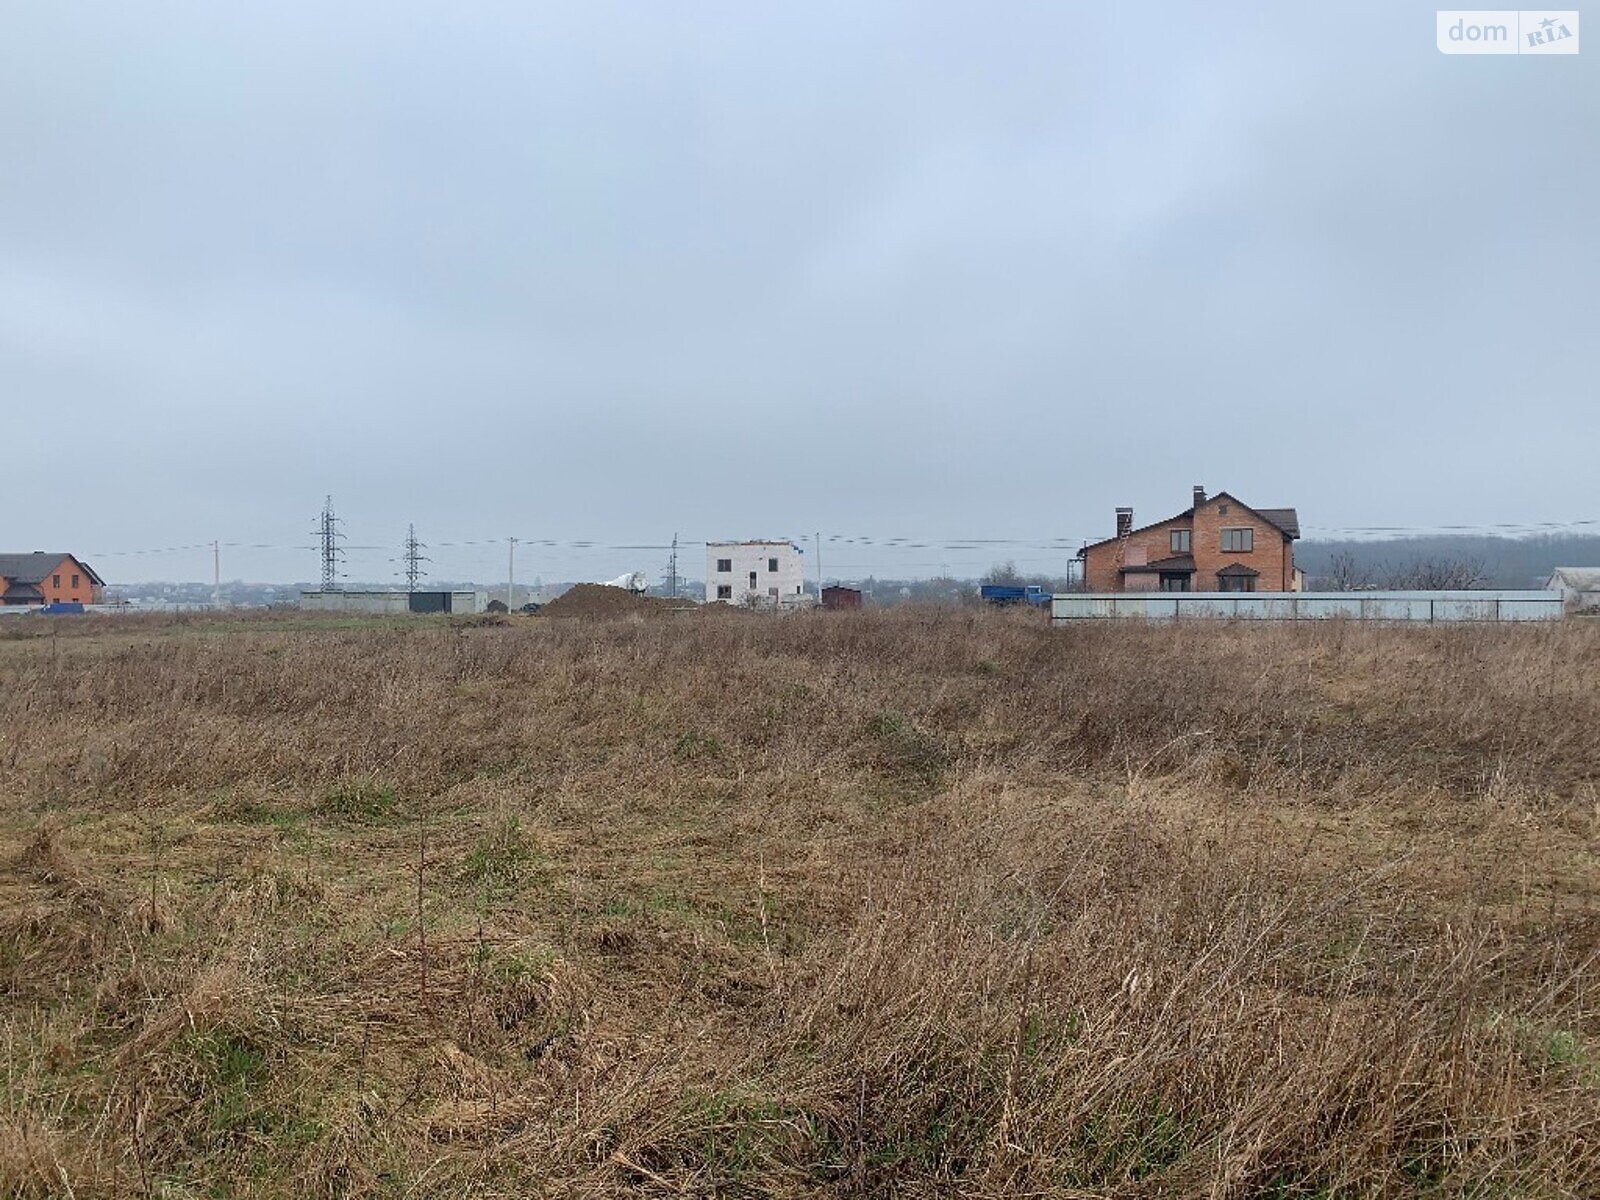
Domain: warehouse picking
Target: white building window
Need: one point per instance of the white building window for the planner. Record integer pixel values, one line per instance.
(724, 591)
(725, 564)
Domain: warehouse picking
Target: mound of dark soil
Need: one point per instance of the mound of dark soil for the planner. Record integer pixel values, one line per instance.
(598, 600)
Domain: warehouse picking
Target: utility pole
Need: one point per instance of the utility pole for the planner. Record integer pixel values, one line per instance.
(672, 582)
(216, 574)
(511, 574)
(818, 537)
(414, 559)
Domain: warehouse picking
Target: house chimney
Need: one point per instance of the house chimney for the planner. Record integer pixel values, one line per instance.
(1124, 522)
(1199, 495)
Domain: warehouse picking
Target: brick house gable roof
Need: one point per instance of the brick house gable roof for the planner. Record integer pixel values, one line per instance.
(1285, 520)
(32, 568)
(1238, 570)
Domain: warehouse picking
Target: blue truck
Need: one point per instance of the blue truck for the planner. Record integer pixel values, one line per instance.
(1020, 593)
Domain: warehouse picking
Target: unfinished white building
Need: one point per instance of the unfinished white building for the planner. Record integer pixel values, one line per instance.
(760, 574)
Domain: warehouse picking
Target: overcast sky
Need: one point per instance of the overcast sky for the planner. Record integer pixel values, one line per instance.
(930, 271)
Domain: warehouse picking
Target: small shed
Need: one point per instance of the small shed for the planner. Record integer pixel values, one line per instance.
(839, 598)
(1579, 587)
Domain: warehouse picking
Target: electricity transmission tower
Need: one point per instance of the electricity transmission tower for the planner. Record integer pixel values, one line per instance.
(414, 559)
(332, 551)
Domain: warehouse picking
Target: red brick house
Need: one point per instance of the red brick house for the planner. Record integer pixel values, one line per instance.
(44, 578)
(1218, 544)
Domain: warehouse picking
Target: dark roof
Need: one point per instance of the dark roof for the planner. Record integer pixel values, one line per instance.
(22, 591)
(1238, 569)
(32, 568)
(1286, 520)
(1178, 562)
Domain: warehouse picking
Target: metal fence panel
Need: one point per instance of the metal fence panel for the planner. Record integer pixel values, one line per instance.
(1397, 608)
(1425, 607)
(1162, 607)
(1203, 604)
(1466, 610)
(1513, 608)
(1317, 607)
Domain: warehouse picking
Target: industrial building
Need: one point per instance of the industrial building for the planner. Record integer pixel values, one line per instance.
(393, 602)
(759, 574)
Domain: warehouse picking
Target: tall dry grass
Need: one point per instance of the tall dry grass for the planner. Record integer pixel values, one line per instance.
(911, 903)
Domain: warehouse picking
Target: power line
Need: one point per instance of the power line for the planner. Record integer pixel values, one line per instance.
(331, 544)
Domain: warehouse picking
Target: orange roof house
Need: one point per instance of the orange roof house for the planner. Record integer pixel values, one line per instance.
(46, 578)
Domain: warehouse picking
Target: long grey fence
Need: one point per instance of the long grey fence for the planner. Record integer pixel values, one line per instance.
(1435, 607)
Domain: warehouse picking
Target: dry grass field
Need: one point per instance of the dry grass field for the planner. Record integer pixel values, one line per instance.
(906, 903)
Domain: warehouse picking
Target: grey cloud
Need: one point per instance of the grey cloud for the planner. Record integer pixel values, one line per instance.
(932, 270)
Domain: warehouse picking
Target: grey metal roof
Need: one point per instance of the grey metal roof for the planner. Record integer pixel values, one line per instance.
(33, 567)
(1238, 570)
(1583, 579)
(22, 591)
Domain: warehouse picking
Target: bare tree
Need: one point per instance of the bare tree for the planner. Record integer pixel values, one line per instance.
(1004, 574)
(1438, 574)
(1346, 574)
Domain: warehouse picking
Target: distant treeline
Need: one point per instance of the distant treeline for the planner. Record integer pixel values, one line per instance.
(1496, 561)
